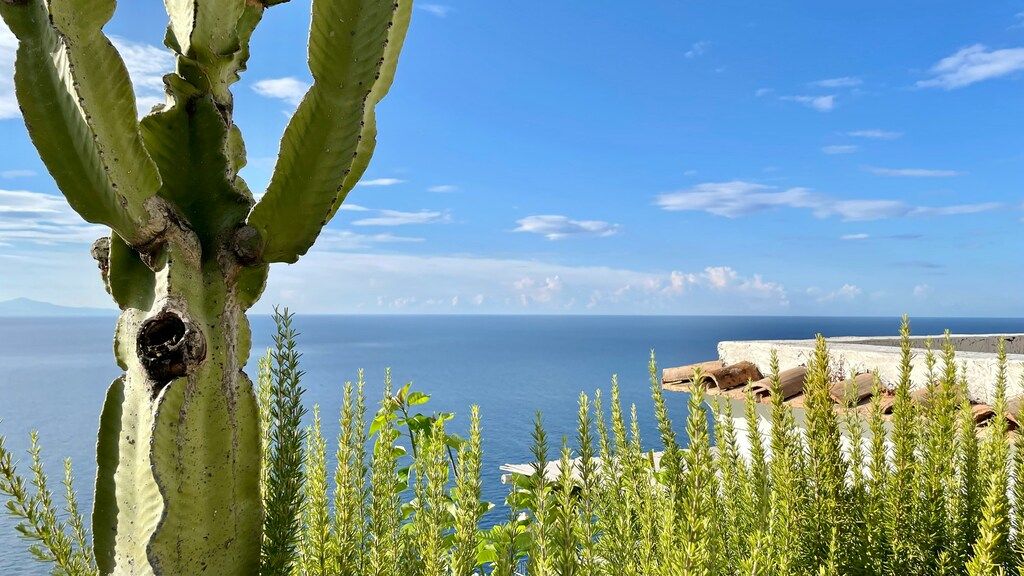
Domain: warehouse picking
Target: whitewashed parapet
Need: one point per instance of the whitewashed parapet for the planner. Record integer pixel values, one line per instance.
(869, 354)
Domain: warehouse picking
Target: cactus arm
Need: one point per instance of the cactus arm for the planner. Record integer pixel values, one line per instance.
(329, 140)
(79, 107)
(104, 511)
(206, 455)
(211, 39)
(368, 137)
(130, 281)
(189, 141)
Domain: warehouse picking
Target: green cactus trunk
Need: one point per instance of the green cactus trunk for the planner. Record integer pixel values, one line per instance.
(177, 488)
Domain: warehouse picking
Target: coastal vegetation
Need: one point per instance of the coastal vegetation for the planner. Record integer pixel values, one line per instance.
(919, 492)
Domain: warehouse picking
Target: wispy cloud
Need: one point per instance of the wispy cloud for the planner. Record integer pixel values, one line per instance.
(739, 198)
(875, 134)
(439, 10)
(443, 188)
(8, 48)
(735, 198)
(846, 292)
(957, 210)
(763, 92)
(863, 236)
(973, 64)
(399, 218)
(554, 227)
(840, 149)
(36, 218)
(380, 182)
(698, 49)
(341, 240)
(842, 82)
(11, 174)
(913, 172)
(402, 282)
(288, 89)
(147, 64)
(350, 207)
(819, 103)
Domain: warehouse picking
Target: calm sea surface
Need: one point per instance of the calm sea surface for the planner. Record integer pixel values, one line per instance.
(54, 372)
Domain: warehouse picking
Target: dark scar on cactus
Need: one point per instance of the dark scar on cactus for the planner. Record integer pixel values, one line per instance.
(169, 348)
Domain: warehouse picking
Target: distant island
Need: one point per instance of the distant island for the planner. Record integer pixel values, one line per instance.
(26, 307)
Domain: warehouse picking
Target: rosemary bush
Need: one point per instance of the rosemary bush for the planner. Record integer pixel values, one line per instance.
(920, 493)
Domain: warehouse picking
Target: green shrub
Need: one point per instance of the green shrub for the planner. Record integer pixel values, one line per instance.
(922, 493)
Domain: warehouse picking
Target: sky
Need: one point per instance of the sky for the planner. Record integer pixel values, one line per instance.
(656, 157)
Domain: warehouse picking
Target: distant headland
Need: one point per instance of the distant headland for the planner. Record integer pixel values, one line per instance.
(26, 307)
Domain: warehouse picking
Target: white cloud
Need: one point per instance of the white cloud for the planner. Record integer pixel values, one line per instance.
(957, 210)
(842, 82)
(738, 198)
(819, 103)
(8, 48)
(439, 10)
(847, 292)
(529, 290)
(288, 89)
(922, 291)
(973, 64)
(399, 218)
(864, 209)
(735, 198)
(443, 188)
(10, 174)
(698, 49)
(554, 227)
(875, 134)
(380, 182)
(381, 281)
(913, 172)
(763, 92)
(851, 237)
(724, 278)
(146, 63)
(345, 240)
(840, 149)
(350, 207)
(36, 218)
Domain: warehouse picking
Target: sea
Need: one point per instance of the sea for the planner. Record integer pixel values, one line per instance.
(54, 373)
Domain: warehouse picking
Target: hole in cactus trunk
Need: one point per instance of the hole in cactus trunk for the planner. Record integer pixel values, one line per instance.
(167, 347)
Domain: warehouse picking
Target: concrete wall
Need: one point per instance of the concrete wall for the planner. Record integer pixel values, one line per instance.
(971, 343)
(976, 355)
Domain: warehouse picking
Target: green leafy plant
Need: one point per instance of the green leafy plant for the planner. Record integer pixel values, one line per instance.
(178, 486)
(798, 501)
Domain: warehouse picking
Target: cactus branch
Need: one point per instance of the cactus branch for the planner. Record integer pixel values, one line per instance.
(319, 161)
(79, 107)
(211, 40)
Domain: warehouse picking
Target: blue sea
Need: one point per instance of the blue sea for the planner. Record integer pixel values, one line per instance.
(54, 372)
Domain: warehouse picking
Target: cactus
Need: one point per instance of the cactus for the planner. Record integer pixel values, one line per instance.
(178, 479)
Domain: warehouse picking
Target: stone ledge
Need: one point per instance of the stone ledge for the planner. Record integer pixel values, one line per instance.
(883, 354)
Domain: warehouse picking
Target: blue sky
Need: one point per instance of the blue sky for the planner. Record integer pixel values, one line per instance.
(645, 157)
